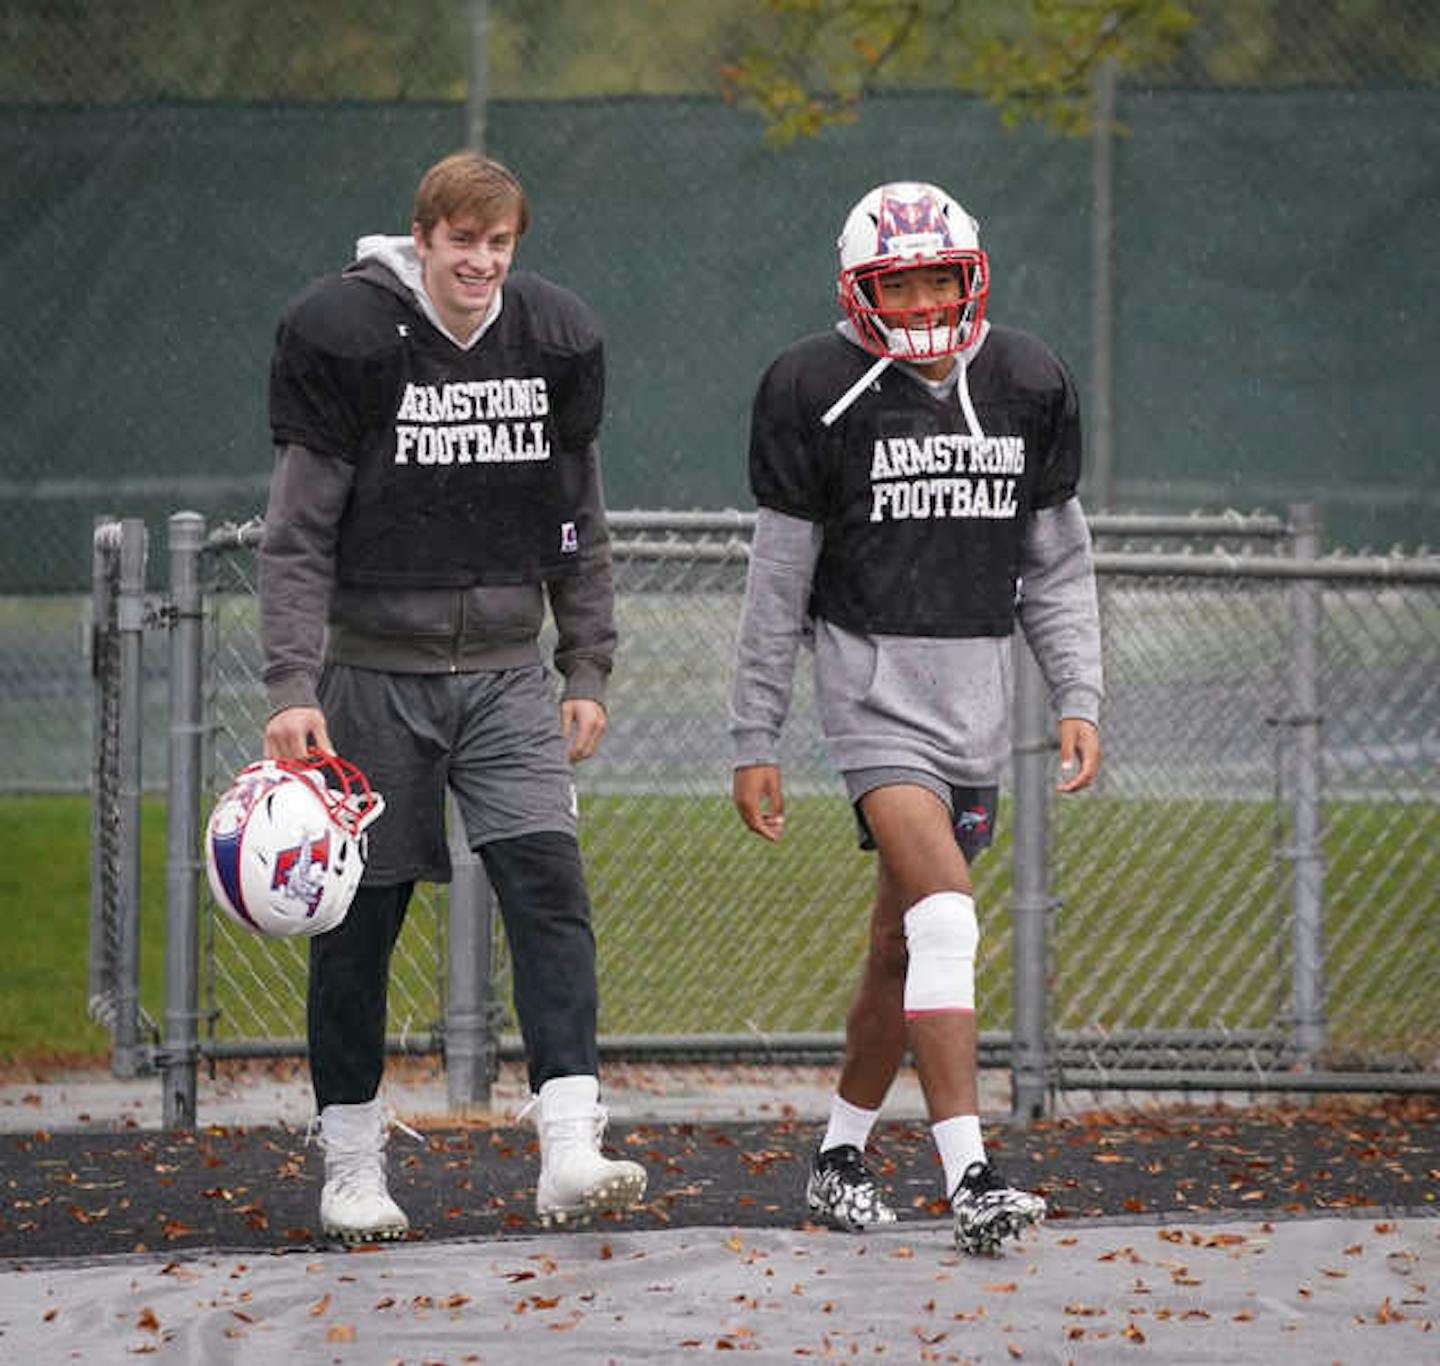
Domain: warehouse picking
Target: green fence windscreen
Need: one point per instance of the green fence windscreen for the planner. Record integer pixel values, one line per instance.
(1276, 328)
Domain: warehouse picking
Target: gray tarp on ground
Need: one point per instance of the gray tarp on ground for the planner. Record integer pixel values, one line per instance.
(1353, 1290)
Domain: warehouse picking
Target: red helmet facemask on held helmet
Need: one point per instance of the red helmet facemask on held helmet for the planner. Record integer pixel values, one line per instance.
(908, 225)
(284, 849)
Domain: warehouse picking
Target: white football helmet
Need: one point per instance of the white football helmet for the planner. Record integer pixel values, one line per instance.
(284, 850)
(901, 226)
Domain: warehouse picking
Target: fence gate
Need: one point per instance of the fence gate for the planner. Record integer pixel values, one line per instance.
(1247, 900)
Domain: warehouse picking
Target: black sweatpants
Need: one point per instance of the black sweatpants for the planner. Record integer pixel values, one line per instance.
(540, 885)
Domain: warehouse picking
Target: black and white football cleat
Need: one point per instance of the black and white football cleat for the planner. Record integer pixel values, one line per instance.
(842, 1192)
(987, 1211)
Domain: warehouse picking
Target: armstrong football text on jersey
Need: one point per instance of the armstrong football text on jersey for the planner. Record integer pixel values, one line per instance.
(897, 495)
(923, 513)
(474, 422)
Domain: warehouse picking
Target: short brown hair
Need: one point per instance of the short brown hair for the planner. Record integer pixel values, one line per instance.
(469, 185)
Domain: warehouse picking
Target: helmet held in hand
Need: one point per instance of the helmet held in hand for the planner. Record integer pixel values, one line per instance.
(284, 849)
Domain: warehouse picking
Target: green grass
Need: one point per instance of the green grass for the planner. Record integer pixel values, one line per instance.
(704, 928)
(45, 902)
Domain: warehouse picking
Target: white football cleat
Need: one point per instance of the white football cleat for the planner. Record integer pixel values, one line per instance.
(355, 1203)
(576, 1179)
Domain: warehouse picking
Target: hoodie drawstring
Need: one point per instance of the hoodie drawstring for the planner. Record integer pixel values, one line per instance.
(962, 387)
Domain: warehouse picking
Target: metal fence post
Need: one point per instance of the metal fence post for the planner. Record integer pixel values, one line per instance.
(1306, 851)
(1030, 898)
(1100, 429)
(470, 1043)
(130, 631)
(477, 72)
(102, 609)
(182, 857)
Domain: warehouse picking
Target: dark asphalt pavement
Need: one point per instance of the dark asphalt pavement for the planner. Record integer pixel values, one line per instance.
(88, 1193)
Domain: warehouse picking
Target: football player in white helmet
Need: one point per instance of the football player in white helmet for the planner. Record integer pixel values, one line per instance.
(910, 469)
(913, 279)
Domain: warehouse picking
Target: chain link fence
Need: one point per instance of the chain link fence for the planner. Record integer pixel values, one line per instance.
(255, 989)
(205, 158)
(1180, 925)
(1248, 899)
(1197, 269)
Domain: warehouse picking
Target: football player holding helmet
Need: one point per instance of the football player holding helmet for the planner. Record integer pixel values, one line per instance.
(284, 849)
(905, 227)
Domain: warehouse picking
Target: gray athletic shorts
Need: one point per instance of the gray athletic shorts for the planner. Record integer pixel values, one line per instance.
(493, 737)
(972, 809)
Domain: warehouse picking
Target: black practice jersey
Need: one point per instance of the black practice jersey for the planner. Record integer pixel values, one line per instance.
(922, 520)
(471, 466)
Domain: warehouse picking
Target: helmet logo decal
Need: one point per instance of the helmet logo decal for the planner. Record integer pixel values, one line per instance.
(300, 871)
(284, 849)
(909, 226)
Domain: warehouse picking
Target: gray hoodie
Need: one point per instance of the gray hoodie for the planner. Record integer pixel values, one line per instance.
(938, 704)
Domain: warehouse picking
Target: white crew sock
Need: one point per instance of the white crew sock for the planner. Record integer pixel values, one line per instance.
(848, 1124)
(960, 1144)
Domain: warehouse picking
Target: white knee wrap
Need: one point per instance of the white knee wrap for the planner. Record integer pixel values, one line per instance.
(942, 934)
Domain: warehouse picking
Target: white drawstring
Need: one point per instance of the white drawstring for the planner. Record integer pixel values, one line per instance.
(963, 389)
(853, 392)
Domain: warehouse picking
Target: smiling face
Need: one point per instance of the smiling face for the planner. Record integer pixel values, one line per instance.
(922, 299)
(925, 296)
(463, 264)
